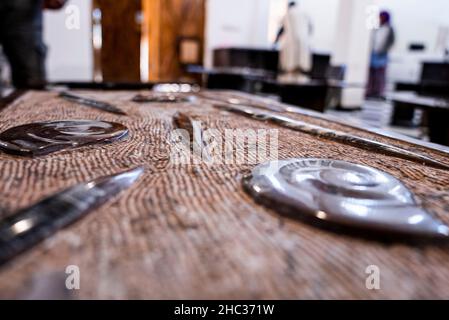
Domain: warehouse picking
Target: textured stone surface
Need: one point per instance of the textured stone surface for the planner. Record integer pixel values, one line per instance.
(190, 231)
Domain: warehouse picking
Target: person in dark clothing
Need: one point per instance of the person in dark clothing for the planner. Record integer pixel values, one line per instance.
(21, 37)
(382, 41)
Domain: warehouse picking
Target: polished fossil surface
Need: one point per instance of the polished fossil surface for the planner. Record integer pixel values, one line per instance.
(163, 97)
(339, 193)
(42, 138)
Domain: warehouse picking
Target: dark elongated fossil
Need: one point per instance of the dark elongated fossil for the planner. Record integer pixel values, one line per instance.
(334, 135)
(186, 122)
(92, 103)
(29, 226)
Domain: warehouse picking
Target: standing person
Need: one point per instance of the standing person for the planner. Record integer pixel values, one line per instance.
(21, 37)
(294, 42)
(382, 41)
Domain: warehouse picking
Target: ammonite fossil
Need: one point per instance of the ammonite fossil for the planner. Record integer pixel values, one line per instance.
(340, 193)
(41, 138)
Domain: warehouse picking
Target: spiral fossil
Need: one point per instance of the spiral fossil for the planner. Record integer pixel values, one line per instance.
(342, 193)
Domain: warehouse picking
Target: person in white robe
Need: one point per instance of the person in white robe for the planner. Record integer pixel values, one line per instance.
(294, 42)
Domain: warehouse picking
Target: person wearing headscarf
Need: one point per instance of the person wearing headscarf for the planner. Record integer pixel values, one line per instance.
(382, 41)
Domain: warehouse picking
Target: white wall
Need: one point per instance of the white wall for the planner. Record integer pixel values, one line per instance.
(323, 14)
(69, 50)
(235, 23)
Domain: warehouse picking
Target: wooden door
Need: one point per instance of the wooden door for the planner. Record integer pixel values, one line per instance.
(119, 56)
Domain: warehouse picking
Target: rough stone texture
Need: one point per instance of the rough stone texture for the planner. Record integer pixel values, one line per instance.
(190, 231)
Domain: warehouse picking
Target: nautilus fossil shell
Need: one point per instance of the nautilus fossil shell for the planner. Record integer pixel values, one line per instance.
(41, 138)
(342, 193)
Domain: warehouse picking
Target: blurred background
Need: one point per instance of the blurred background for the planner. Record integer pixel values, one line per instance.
(382, 63)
